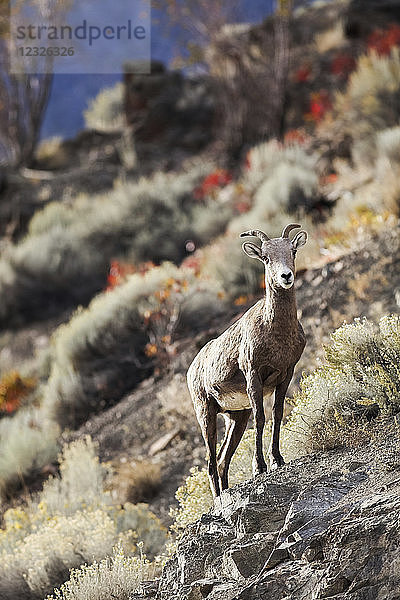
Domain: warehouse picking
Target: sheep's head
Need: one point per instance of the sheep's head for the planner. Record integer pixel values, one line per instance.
(277, 254)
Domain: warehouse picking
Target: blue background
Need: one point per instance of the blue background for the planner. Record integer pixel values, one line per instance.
(70, 94)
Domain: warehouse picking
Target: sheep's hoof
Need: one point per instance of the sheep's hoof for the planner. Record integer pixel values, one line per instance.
(275, 463)
(258, 469)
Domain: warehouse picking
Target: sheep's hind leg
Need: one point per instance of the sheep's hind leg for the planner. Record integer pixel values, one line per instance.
(235, 427)
(207, 417)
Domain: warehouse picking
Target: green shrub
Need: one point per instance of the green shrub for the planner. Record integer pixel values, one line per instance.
(70, 522)
(101, 353)
(210, 220)
(280, 183)
(263, 160)
(361, 377)
(371, 100)
(106, 111)
(67, 252)
(149, 534)
(289, 189)
(44, 557)
(28, 441)
(194, 499)
(81, 480)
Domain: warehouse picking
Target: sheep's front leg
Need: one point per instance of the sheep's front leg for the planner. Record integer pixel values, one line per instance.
(255, 394)
(275, 457)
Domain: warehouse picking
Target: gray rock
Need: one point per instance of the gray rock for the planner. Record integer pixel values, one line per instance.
(321, 527)
(246, 558)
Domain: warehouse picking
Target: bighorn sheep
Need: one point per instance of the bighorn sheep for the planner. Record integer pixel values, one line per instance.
(254, 356)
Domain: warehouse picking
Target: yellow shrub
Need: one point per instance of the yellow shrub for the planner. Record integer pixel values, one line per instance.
(113, 577)
(361, 378)
(71, 522)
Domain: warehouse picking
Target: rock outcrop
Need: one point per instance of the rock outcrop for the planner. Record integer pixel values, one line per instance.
(168, 109)
(324, 526)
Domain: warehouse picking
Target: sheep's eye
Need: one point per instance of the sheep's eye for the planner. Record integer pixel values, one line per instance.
(294, 253)
(266, 259)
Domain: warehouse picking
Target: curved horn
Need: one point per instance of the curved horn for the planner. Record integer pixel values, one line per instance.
(256, 232)
(288, 229)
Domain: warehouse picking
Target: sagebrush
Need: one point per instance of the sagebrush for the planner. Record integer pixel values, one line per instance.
(361, 379)
(28, 441)
(71, 522)
(116, 576)
(66, 254)
(106, 111)
(371, 100)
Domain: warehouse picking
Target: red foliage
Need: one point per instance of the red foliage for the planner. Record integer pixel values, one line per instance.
(329, 179)
(218, 179)
(161, 320)
(320, 104)
(343, 64)
(296, 136)
(383, 40)
(303, 74)
(119, 272)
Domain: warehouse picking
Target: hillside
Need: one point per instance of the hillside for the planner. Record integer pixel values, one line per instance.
(327, 296)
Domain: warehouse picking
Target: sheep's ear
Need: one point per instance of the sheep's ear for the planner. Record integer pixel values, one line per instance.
(299, 239)
(252, 250)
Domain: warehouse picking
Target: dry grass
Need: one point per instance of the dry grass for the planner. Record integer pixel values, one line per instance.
(135, 481)
(370, 101)
(337, 432)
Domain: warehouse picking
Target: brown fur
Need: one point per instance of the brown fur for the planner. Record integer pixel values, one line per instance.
(255, 356)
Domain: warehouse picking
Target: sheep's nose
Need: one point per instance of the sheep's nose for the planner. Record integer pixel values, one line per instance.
(287, 276)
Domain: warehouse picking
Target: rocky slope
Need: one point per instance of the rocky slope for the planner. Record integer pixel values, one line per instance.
(364, 282)
(323, 526)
